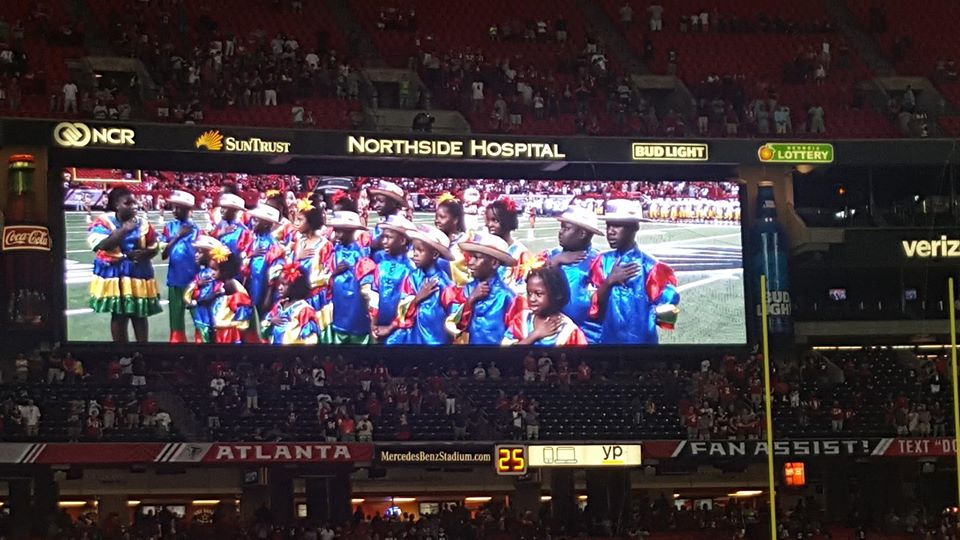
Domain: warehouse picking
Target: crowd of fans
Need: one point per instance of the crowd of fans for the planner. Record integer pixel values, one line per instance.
(55, 386)
(335, 398)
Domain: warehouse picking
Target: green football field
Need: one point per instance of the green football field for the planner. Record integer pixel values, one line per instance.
(707, 259)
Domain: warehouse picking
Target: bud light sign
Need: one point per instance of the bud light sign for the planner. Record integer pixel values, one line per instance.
(770, 258)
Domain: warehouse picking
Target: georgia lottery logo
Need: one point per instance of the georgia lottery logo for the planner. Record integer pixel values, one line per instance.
(765, 153)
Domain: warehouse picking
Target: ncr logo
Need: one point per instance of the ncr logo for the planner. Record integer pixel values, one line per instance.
(928, 249)
(80, 135)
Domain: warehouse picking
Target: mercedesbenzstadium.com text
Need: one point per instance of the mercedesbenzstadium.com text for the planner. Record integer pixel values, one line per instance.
(437, 457)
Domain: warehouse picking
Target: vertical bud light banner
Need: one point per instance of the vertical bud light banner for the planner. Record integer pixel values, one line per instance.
(769, 245)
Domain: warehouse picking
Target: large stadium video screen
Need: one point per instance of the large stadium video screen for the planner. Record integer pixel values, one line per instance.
(232, 258)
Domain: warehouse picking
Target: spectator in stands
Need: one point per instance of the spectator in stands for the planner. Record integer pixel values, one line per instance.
(69, 91)
(815, 119)
(30, 415)
(655, 10)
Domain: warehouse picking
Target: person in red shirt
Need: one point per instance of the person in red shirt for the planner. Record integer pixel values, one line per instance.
(380, 372)
(148, 409)
(691, 419)
(347, 429)
(113, 370)
(584, 372)
(837, 415)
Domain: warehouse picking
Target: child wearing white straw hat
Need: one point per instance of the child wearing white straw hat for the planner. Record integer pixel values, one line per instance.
(574, 257)
(177, 239)
(264, 261)
(423, 306)
(485, 305)
(381, 288)
(635, 294)
(351, 262)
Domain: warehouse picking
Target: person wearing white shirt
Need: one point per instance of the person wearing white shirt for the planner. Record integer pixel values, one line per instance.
(217, 385)
(70, 97)
(31, 418)
(319, 377)
(479, 373)
(326, 533)
(163, 420)
(312, 60)
(365, 430)
(477, 95)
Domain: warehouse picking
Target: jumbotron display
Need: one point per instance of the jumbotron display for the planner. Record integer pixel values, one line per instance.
(233, 258)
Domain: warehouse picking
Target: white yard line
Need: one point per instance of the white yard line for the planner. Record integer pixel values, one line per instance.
(701, 282)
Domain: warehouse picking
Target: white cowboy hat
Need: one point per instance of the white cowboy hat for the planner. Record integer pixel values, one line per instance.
(266, 213)
(206, 242)
(491, 245)
(346, 220)
(229, 200)
(582, 218)
(398, 223)
(623, 210)
(182, 198)
(434, 237)
(389, 189)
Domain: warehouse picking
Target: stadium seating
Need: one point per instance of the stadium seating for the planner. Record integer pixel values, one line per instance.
(47, 50)
(753, 47)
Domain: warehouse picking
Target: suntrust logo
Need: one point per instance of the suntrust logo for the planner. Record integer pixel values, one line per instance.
(944, 247)
(215, 141)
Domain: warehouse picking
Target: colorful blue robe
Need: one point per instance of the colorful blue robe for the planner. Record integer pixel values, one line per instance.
(631, 311)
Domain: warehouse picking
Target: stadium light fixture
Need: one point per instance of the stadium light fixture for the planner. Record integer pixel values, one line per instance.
(205, 502)
(132, 503)
(745, 493)
(356, 501)
(402, 499)
(545, 498)
(478, 499)
(72, 504)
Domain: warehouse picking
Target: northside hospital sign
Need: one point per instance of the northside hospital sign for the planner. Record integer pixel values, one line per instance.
(471, 148)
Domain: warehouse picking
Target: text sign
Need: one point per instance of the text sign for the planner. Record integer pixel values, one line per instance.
(594, 455)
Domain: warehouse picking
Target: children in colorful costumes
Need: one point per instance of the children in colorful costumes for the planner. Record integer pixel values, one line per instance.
(230, 230)
(123, 282)
(292, 321)
(501, 220)
(482, 309)
(574, 258)
(201, 292)
(314, 253)
(177, 237)
(351, 262)
(232, 307)
(422, 310)
(541, 322)
(450, 219)
(264, 258)
(381, 288)
(635, 294)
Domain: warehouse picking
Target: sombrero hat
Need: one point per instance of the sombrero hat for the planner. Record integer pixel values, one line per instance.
(346, 220)
(582, 218)
(389, 189)
(434, 237)
(491, 245)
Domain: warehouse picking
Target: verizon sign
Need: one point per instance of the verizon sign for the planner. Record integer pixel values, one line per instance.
(929, 249)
